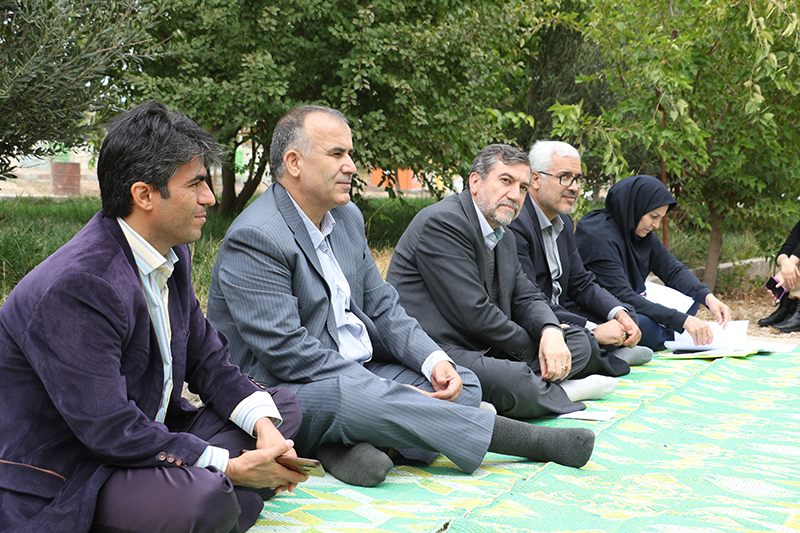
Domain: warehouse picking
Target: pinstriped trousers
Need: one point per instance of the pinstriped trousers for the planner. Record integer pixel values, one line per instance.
(383, 411)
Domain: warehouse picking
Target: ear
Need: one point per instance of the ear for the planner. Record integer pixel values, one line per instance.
(143, 195)
(292, 160)
(474, 178)
(536, 181)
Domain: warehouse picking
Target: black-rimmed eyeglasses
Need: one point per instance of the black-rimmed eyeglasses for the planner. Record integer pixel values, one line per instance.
(566, 177)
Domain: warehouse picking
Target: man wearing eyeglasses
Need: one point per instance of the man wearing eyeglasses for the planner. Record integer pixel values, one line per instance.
(456, 271)
(548, 255)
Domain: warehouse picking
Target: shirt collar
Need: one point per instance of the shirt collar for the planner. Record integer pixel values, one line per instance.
(147, 258)
(490, 236)
(316, 234)
(557, 224)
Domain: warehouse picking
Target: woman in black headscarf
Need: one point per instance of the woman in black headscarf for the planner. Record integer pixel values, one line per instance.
(617, 244)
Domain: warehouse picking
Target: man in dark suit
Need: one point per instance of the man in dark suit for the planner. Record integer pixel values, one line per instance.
(95, 345)
(548, 255)
(460, 278)
(296, 290)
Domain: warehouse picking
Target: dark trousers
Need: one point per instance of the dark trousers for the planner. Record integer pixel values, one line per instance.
(168, 499)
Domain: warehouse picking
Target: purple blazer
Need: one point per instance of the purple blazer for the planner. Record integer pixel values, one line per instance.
(81, 379)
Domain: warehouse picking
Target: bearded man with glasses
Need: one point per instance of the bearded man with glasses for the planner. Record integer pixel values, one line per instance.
(548, 255)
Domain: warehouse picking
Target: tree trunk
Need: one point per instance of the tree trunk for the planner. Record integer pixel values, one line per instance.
(227, 203)
(714, 249)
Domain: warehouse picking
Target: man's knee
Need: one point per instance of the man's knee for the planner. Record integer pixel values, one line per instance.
(289, 407)
(167, 499)
(580, 347)
(471, 394)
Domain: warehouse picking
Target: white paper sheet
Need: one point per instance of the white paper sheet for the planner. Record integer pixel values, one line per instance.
(732, 339)
(589, 415)
(668, 297)
(733, 336)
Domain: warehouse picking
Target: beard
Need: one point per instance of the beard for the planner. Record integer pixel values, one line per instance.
(493, 213)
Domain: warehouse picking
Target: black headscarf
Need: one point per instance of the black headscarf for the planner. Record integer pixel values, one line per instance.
(627, 202)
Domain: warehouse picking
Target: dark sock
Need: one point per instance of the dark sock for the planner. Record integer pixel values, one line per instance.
(362, 465)
(565, 446)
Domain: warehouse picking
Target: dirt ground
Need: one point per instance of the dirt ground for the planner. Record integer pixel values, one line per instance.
(752, 307)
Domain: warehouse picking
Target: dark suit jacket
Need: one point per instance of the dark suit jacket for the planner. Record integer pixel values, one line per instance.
(81, 379)
(581, 296)
(441, 270)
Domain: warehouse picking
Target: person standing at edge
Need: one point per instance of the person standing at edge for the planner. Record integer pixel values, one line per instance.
(548, 255)
(95, 345)
(458, 274)
(297, 291)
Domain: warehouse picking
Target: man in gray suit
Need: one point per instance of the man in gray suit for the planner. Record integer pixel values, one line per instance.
(458, 275)
(298, 294)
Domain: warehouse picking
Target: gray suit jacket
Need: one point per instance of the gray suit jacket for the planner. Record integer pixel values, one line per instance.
(270, 298)
(441, 270)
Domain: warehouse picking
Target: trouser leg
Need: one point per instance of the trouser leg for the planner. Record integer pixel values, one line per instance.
(654, 335)
(189, 499)
(360, 408)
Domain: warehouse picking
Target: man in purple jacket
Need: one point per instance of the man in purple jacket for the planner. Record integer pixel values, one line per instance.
(95, 345)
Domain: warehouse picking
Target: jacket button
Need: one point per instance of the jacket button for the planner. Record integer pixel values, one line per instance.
(170, 458)
(178, 461)
(161, 456)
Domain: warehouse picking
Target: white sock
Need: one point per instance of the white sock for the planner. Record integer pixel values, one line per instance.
(592, 387)
(486, 406)
(638, 355)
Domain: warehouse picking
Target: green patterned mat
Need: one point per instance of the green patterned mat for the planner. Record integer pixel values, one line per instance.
(695, 447)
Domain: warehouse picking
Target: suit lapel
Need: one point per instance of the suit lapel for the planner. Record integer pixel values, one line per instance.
(563, 255)
(297, 226)
(481, 256)
(148, 403)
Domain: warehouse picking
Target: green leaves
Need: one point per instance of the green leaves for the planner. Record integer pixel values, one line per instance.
(59, 62)
(416, 79)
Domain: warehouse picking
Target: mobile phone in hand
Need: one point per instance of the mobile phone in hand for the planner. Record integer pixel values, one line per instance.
(309, 467)
(772, 286)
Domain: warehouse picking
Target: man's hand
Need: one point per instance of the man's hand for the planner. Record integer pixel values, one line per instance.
(720, 310)
(446, 381)
(699, 330)
(610, 332)
(631, 328)
(258, 469)
(554, 357)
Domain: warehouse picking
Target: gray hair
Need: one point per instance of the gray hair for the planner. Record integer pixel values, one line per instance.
(290, 133)
(541, 154)
(487, 159)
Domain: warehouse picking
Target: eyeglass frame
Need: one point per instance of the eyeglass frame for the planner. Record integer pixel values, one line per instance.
(579, 178)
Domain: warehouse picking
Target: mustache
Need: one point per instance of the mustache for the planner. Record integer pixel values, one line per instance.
(509, 203)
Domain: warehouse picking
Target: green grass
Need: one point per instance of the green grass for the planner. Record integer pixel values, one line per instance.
(691, 246)
(33, 228)
(385, 220)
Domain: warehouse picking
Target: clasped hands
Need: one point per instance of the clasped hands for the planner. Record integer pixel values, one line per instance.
(258, 469)
(621, 331)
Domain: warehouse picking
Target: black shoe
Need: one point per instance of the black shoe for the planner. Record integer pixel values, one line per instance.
(786, 307)
(792, 322)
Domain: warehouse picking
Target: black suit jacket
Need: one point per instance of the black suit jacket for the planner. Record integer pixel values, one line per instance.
(581, 295)
(440, 268)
